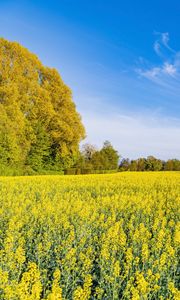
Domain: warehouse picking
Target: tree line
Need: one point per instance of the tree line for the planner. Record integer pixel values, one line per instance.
(107, 159)
(150, 163)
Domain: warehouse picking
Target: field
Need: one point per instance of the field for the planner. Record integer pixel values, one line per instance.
(112, 236)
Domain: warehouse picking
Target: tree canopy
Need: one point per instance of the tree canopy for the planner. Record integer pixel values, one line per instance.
(104, 159)
(39, 124)
(150, 163)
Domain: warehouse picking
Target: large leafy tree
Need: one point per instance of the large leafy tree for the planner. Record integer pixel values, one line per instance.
(39, 123)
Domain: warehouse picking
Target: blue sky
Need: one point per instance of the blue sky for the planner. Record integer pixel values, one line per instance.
(121, 60)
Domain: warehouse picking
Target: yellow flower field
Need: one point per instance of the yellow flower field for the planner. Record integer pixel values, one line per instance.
(90, 237)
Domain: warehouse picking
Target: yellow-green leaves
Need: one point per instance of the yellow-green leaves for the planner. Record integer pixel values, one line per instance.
(32, 96)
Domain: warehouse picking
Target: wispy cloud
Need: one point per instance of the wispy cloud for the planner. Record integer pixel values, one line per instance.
(157, 48)
(167, 72)
(162, 44)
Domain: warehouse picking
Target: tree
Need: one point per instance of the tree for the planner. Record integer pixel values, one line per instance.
(133, 165)
(149, 164)
(98, 161)
(172, 165)
(154, 164)
(104, 159)
(141, 164)
(125, 165)
(109, 156)
(41, 118)
(88, 151)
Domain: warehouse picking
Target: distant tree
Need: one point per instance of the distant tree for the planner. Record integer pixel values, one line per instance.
(149, 164)
(80, 161)
(172, 165)
(169, 165)
(109, 156)
(125, 165)
(154, 164)
(98, 161)
(104, 159)
(141, 164)
(88, 151)
(132, 165)
(176, 164)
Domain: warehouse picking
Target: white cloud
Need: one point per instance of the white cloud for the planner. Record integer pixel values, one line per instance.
(169, 69)
(159, 73)
(150, 73)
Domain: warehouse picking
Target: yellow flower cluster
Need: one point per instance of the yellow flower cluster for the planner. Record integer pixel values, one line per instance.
(113, 236)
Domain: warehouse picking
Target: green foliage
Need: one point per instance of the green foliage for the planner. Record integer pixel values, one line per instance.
(109, 156)
(91, 159)
(39, 124)
(172, 165)
(9, 150)
(40, 149)
(149, 164)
